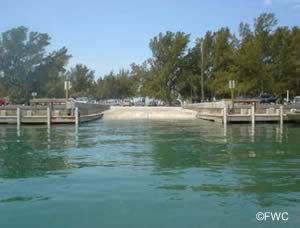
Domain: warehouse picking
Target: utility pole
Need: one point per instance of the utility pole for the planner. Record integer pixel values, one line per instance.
(202, 72)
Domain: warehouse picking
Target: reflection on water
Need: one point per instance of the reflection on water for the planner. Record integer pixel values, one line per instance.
(161, 170)
(20, 198)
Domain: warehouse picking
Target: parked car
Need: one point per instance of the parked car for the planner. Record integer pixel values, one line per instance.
(297, 100)
(3, 102)
(82, 99)
(152, 103)
(267, 98)
(176, 103)
(139, 103)
(126, 102)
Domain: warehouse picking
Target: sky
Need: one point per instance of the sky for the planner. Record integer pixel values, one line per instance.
(109, 35)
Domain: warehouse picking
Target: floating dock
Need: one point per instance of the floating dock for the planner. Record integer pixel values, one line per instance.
(51, 111)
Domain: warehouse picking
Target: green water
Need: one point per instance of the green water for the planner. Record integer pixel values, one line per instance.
(148, 174)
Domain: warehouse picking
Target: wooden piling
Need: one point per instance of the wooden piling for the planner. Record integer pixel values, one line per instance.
(48, 117)
(76, 117)
(281, 116)
(225, 116)
(18, 117)
(253, 115)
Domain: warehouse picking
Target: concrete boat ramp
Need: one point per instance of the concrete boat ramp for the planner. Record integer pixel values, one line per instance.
(149, 113)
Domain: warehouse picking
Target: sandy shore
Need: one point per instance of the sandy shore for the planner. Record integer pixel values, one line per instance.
(148, 113)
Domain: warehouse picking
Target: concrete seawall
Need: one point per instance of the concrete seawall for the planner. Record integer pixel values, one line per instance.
(148, 113)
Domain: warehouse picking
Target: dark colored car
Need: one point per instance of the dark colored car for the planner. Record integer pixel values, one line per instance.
(176, 103)
(3, 102)
(267, 99)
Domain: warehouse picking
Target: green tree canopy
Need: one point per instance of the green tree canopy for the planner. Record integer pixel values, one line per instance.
(168, 51)
(82, 79)
(25, 64)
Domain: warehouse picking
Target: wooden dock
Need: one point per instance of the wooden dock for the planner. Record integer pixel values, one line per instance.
(70, 113)
(238, 118)
(242, 113)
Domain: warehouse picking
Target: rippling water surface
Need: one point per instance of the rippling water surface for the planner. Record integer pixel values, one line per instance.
(148, 174)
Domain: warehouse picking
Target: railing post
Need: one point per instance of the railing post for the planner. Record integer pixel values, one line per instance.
(253, 115)
(18, 117)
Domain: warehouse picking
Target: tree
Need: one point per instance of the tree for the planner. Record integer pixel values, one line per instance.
(121, 85)
(21, 52)
(53, 71)
(294, 80)
(247, 57)
(283, 65)
(223, 62)
(189, 82)
(264, 24)
(25, 65)
(167, 57)
(82, 79)
(140, 76)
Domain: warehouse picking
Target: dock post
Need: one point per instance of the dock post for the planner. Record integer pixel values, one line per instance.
(253, 115)
(225, 121)
(281, 116)
(225, 116)
(18, 117)
(48, 117)
(76, 117)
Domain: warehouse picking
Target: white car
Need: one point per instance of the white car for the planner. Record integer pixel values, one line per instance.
(82, 100)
